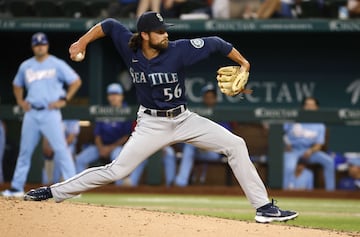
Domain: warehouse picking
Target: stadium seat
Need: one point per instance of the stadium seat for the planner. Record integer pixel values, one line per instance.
(20, 8)
(74, 8)
(47, 8)
(95, 7)
(331, 7)
(2, 6)
(310, 9)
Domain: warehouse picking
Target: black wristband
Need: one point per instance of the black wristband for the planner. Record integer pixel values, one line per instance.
(63, 98)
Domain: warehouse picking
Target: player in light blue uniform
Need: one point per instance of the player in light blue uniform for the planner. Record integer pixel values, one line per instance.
(71, 132)
(157, 67)
(2, 150)
(110, 135)
(302, 178)
(305, 140)
(43, 76)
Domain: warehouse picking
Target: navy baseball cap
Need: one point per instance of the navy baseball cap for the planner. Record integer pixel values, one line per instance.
(151, 21)
(114, 88)
(39, 39)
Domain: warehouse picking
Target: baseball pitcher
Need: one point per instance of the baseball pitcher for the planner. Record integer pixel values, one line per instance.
(157, 67)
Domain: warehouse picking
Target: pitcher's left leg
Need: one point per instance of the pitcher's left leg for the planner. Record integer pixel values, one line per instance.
(208, 135)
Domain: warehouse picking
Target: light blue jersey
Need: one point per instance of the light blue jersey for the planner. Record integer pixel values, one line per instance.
(304, 135)
(44, 80)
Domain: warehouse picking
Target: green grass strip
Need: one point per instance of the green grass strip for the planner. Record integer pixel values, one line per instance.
(331, 214)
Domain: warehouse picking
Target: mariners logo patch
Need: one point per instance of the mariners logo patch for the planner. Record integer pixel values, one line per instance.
(197, 43)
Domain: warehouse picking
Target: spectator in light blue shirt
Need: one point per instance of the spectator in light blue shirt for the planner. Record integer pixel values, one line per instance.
(305, 140)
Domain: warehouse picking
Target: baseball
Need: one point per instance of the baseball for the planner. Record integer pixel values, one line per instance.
(79, 57)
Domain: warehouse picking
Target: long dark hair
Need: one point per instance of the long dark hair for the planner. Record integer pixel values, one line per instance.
(135, 42)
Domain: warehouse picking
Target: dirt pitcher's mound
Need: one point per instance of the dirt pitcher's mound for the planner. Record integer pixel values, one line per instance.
(20, 218)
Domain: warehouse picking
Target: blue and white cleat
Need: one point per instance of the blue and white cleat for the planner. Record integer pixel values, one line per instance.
(270, 213)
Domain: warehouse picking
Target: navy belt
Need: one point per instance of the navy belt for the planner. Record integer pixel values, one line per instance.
(171, 113)
(37, 107)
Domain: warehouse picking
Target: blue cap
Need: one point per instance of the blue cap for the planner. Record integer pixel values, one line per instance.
(151, 21)
(39, 39)
(114, 88)
(208, 87)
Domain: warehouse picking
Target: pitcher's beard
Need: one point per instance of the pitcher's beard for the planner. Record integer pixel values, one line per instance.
(160, 46)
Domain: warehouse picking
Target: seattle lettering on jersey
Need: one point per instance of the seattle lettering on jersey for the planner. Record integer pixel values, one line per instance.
(32, 75)
(162, 78)
(158, 78)
(138, 77)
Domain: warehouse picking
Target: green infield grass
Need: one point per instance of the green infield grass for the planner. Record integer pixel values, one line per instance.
(331, 214)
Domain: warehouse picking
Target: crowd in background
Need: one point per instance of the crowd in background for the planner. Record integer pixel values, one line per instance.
(184, 9)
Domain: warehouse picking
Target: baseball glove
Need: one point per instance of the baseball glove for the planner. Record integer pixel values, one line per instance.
(232, 80)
